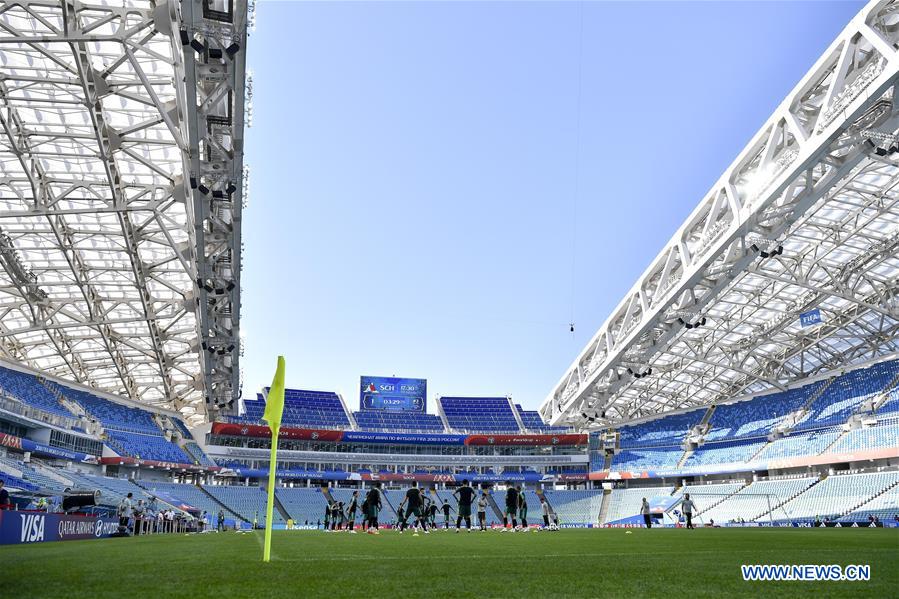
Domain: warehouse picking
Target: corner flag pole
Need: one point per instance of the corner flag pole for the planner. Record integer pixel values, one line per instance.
(274, 409)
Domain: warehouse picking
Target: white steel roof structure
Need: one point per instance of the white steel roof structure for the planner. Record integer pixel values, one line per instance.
(807, 217)
(121, 186)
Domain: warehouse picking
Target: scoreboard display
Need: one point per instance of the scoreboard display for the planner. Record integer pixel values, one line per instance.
(393, 394)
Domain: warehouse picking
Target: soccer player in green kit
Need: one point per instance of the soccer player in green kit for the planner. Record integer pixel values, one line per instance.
(373, 499)
(511, 508)
(523, 508)
(414, 500)
(351, 513)
(465, 496)
(446, 514)
(432, 515)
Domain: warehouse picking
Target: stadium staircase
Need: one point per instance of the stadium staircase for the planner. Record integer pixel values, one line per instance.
(814, 396)
(348, 412)
(885, 394)
(521, 426)
(761, 449)
(604, 506)
(217, 502)
(607, 463)
(835, 441)
(280, 507)
(496, 511)
(869, 499)
(115, 445)
(80, 414)
(708, 415)
(773, 512)
(719, 502)
(685, 457)
(440, 413)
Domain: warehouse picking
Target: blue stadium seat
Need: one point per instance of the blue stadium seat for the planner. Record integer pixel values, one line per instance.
(479, 414)
(384, 421)
(29, 390)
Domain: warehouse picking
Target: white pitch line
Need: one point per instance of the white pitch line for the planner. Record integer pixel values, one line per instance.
(468, 556)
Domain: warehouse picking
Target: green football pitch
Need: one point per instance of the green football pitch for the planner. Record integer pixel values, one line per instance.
(570, 563)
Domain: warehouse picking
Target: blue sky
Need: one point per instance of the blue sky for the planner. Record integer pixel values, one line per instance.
(418, 201)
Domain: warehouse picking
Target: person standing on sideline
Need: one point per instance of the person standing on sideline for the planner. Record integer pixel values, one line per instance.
(125, 510)
(482, 511)
(544, 507)
(4, 497)
(220, 524)
(644, 509)
(687, 507)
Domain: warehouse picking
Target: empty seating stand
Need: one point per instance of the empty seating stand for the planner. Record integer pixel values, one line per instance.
(757, 416)
(479, 414)
(305, 409)
(29, 390)
(663, 432)
(384, 421)
(533, 422)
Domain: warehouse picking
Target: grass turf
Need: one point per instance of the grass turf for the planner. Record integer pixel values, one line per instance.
(570, 563)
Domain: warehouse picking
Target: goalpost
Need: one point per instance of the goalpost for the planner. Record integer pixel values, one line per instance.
(709, 501)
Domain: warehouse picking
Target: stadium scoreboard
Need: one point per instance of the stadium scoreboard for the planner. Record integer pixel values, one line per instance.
(393, 394)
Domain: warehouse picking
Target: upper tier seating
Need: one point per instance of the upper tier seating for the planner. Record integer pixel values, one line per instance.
(27, 389)
(307, 409)
(146, 447)
(666, 431)
(252, 410)
(479, 414)
(890, 406)
(185, 432)
(846, 393)
(884, 434)
(757, 416)
(113, 415)
(724, 452)
(656, 458)
(836, 495)
(534, 422)
(800, 444)
(197, 454)
(385, 421)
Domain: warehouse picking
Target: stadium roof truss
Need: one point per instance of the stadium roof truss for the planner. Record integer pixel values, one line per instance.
(806, 218)
(121, 186)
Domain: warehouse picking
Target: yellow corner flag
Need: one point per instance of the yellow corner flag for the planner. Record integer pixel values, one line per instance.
(274, 409)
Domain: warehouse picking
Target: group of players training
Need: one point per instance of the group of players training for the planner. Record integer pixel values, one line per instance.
(424, 511)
